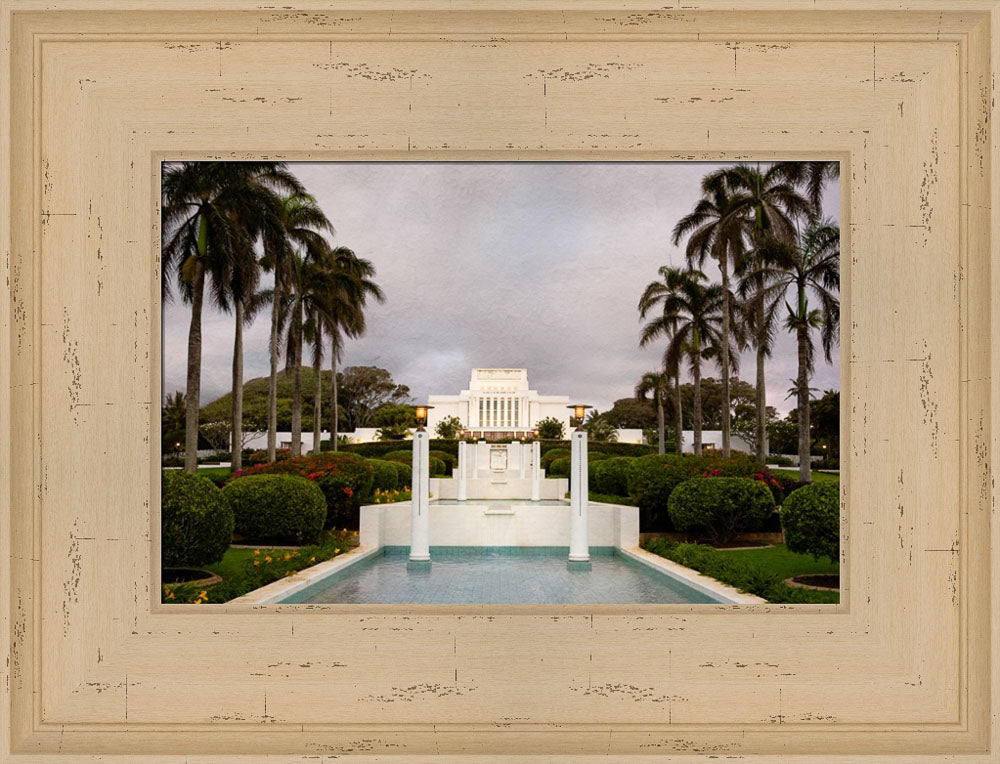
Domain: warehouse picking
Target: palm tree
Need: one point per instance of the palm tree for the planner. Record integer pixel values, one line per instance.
(813, 176)
(812, 267)
(658, 293)
(657, 383)
(352, 283)
(206, 207)
(768, 203)
(694, 313)
(304, 224)
(716, 228)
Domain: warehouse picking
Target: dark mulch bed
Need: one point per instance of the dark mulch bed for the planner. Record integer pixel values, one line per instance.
(827, 580)
(186, 575)
(738, 544)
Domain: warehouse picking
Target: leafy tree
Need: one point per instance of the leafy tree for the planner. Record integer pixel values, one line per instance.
(217, 433)
(812, 176)
(783, 435)
(363, 389)
(825, 418)
(632, 413)
(550, 428)
(208, 214)
(448, 427)
(394, 420)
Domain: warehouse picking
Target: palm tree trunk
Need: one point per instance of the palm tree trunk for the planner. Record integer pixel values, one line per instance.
(660, 430)
(334, 433)
(297, 388)
(194, 371)
(678, 416)
(318, 400)
(724, 361)
(696, 368)
(236, 452)
(760, 431)
(272, 390)
(805, 467)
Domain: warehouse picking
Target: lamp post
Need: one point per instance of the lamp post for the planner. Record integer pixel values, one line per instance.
(420, 550)
(579, 544)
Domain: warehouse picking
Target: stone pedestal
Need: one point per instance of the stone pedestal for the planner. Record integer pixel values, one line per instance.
(420, 551)
(579, 500)
(462, 465)
(536, 471)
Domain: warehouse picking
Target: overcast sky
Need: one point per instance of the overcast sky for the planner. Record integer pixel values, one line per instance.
(523, 265)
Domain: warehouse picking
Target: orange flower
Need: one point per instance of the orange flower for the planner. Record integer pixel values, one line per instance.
(256, 552)
(312, 559)
(256, 563)
(337, 550)
(203, 595)
(267, 559)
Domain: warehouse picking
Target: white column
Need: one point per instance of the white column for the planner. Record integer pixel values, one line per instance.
(420, 550)
(522, 451)
(579, 547)
(475, 460)
(462, 458)
(536, 470)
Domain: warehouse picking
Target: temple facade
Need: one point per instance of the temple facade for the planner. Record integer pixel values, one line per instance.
(498, 405)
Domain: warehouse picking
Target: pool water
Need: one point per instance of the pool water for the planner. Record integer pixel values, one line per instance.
(499, 575)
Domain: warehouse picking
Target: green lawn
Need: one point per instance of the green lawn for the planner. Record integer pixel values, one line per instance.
(779, 560)
(818, 477)
(214, 472)
(606, 498)
(756, 571)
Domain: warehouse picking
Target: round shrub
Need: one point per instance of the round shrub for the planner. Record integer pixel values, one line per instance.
(385, 477)
(404, 475)
(810, 518)
(718, 509)
(403, 456)
(611, 476)
(196, 520)
(650, 481)
(437, 467)
(559, 467)
(450, 461)
(277, 508)
(596, 456)
(260, 457)
(345, 478)
(551, 455)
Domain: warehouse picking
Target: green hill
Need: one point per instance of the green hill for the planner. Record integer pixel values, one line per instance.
(255, 393)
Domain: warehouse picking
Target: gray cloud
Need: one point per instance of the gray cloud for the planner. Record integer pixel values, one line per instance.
(497, 264)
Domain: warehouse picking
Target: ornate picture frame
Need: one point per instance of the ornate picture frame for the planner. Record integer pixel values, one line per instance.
(99, 94)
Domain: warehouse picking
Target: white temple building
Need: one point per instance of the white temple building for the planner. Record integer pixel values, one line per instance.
(499, 404)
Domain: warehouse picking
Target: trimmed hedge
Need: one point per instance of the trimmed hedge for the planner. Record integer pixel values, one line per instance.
(437, 468)
(719, 509)
(652, 478)
(551, 455)
(386, 476)
(611, 476)
(344, 478)
(277, 508)
(559, 467)
(450, 462)
(810, 518)
(404, 457)
(404, 475)
(196, 520)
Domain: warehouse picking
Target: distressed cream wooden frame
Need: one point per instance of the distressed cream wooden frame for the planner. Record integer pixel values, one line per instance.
(901, 91)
